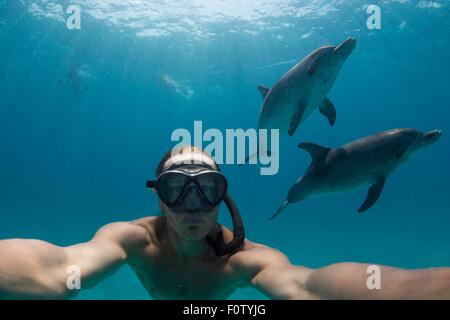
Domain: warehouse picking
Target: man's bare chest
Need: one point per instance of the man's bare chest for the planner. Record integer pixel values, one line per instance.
(201, 280)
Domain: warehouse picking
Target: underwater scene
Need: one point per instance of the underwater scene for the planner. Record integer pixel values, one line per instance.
(94, 93)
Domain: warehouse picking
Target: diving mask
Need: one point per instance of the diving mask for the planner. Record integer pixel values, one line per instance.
(173, 185)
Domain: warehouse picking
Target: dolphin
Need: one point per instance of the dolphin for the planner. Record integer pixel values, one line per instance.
(364, 162)
(304, 88)
(76, 78)
(175, 86)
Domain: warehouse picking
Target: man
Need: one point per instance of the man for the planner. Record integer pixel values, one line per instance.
(181, 255)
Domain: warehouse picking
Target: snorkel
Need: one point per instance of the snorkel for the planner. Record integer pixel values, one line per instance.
(215, 237)
(193, 174)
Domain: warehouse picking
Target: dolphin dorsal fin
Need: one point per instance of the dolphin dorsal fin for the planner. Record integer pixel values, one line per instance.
(263, 90)
(317, 152)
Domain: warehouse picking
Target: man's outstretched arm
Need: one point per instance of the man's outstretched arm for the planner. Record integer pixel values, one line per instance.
(353, 280)
(271, 272)
(33, 269)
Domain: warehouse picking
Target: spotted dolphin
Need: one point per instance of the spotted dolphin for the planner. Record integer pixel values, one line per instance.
(175, 86)
(364, 162)
(303, 89)
(76, 77)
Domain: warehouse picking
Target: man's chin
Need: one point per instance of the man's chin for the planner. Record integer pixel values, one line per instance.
(194, 232)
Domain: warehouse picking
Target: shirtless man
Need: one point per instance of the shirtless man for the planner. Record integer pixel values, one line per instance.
(174, 258)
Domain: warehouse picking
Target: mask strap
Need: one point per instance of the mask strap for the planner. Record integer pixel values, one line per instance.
(151, 184)
(215, 237)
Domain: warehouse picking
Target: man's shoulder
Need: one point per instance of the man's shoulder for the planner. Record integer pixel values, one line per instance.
(148, 223)
(153, 225)
(254, 256)
(129, 233)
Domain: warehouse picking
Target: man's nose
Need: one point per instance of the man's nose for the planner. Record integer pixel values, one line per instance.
(192, 199)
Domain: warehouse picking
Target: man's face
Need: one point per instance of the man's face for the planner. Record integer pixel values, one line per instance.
(191, 225)
(192, 219)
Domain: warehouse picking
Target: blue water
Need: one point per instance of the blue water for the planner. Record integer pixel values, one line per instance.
(71, 162)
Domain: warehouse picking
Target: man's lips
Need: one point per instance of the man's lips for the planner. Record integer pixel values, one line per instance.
(194, 220)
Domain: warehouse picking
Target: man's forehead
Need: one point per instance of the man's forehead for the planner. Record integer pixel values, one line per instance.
(189, 158)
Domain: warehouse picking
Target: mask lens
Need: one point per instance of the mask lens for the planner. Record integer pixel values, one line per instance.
(170, 186)
(213, 186)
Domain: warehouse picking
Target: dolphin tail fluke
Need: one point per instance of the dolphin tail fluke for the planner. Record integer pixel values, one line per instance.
(281, 208)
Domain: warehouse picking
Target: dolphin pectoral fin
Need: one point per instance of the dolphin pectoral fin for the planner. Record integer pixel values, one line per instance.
(281, 208)
(296, 118)
(263, 90)
(328, 110)
(373, 194)
(318, 155)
